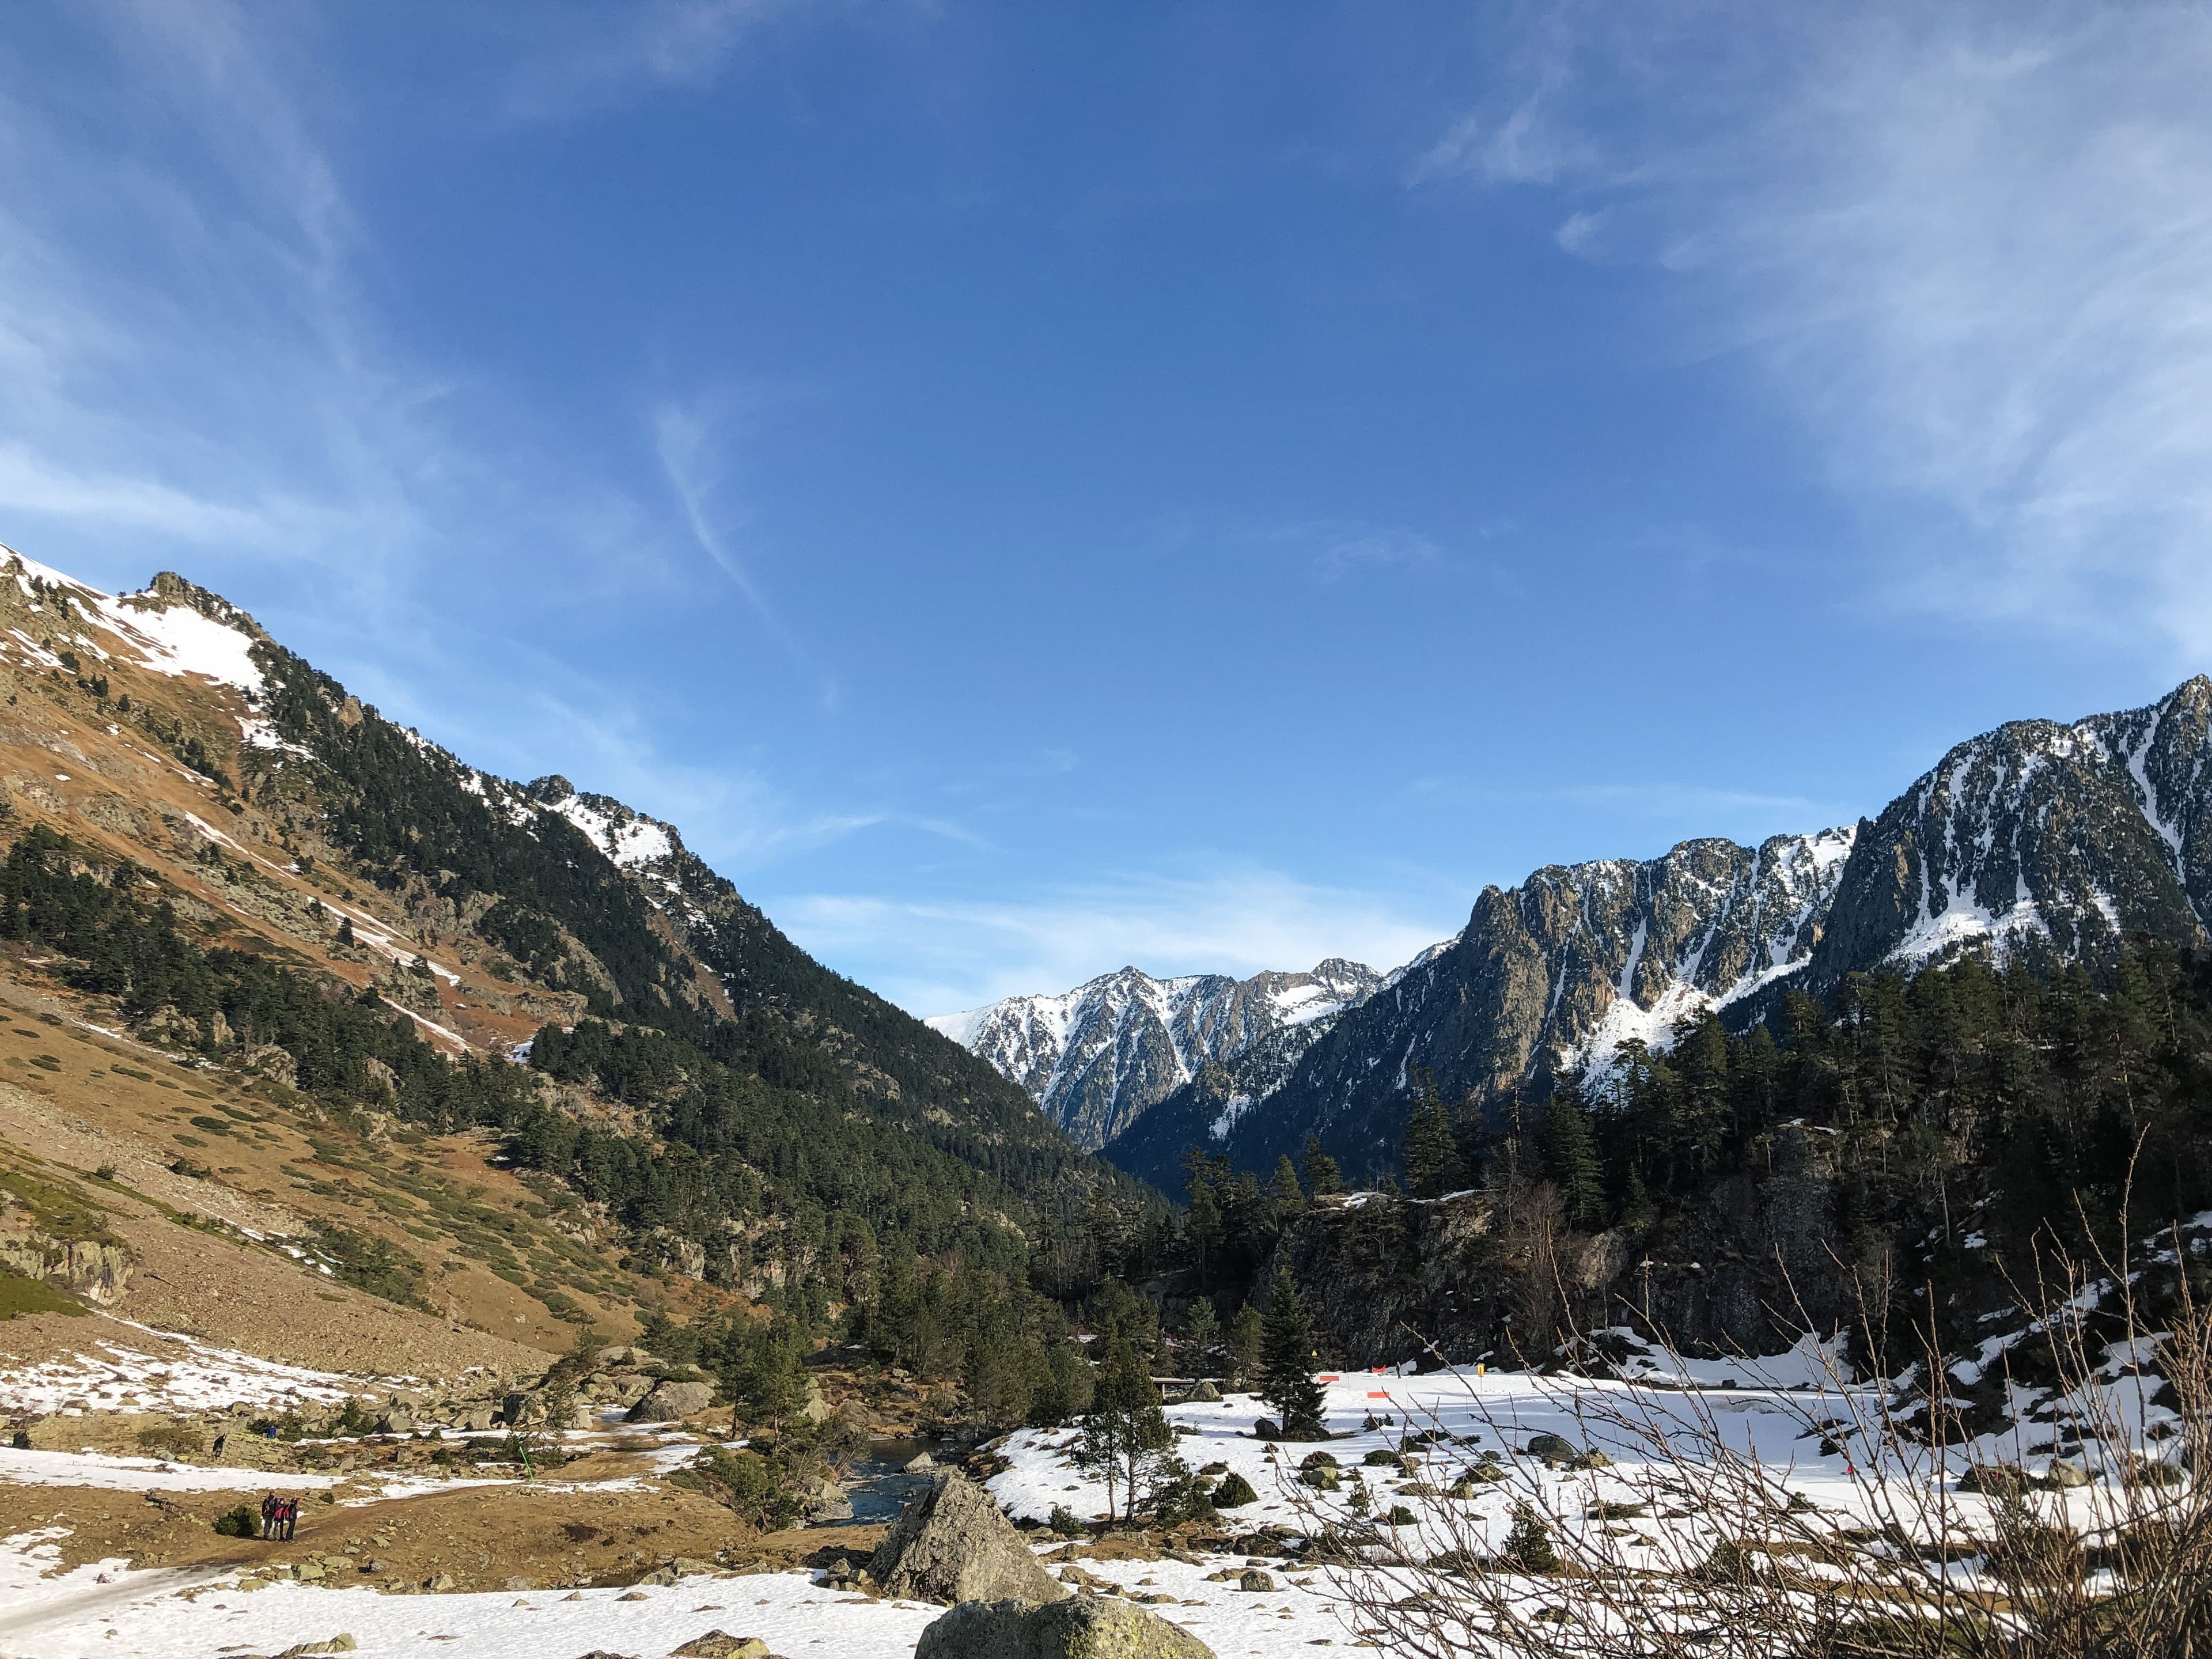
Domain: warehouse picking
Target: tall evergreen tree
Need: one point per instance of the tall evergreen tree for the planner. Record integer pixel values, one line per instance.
(1433, 1166)
(1323, 1176)
(1202, 1334)
(1287, 1361)
(1572, 1157)
(1246, 1335)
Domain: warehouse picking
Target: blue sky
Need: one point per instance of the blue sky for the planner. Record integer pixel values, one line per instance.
(1028, 489)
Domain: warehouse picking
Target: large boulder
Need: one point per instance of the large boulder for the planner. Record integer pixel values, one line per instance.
(824, 1502)
(719, 1645)
(1081, 1627)
(950, 1544)
(670, 1400)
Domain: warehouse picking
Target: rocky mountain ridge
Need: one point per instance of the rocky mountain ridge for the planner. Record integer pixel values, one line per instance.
(1096, 1058)
(2039, 840)
(362, 924)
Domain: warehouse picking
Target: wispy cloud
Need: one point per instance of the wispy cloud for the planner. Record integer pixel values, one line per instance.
(938, 957)
(1969, 246)
(691, 464)
(687, 438)
(198, 374)
(599, 55)
(1334, 548)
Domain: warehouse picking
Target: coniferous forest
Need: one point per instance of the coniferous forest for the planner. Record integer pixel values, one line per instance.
(1916, 1138)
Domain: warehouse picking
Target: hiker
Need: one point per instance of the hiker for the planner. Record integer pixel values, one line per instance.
(288, 1516)
(269, 1517)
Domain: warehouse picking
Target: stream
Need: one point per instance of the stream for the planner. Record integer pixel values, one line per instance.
(877, 1483)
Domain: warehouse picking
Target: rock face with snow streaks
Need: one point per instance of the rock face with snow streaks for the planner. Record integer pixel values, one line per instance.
(1577, 957)
(2039, 842)
(1101, 1055)
(2051, 843)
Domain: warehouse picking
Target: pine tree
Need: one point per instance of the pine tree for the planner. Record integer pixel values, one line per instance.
(1203, 1227)
(1284, 1189)
(345, 930)
(1202, 1332)
(1573, 1158)
(1433, 1166)
(1323, 1177)
(772, 1387)
(1125, 1435)
(1246, 1335)
(1286, 1350)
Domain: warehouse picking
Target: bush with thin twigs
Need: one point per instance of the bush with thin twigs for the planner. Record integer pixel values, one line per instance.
(1945, 1544)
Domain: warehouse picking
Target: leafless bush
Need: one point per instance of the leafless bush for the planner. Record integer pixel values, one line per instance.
(2044, 1502)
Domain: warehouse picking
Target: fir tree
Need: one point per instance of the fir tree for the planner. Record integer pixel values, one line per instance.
(1204, 1229)
(1323, 1177)
(1433, 1166)
(1286, 1349)
(1202, 1334)
(1288, 1197)
(771, 1384)
(1573, 1158)
(1246, 1333)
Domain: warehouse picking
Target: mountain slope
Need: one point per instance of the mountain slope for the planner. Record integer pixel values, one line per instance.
(1100, 1056)
(2039, 842)
(1596, 952)
(219, 854)
(2048, 842)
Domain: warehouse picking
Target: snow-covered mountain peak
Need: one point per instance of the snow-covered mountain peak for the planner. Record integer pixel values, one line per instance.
(1096, 1057)
(170, 627)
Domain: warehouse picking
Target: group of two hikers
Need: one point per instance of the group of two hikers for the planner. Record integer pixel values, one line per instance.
(278, 1516)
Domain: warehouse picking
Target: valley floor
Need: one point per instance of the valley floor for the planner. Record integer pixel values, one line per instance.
(547, 1569)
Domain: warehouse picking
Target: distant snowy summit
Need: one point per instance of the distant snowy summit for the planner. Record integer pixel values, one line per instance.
(1096, 1058)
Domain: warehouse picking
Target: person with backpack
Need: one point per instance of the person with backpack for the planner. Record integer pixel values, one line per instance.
(269, 1517)
(288, 1518)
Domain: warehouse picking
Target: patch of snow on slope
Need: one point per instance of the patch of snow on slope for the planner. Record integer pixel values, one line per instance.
(630, 841)
(1421, 961)
(962, 1027)
(118, 1378)
(257, 733)
(179, 640)
(97, 1469)
(1238, 1106)
(1963, 921)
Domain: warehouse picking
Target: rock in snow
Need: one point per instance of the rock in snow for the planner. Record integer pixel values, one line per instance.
(950, 1544)
(1081, 1627)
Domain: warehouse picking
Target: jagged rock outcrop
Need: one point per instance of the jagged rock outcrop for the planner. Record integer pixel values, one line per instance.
(96, 1268)
(950, 1544)
(2041, 841)
(1100, 1056)
(1750, 1268)
(1079, 1627)
(1576, 955)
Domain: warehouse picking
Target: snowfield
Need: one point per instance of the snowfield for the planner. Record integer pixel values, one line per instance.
(1789, 1415)
(207, 1378)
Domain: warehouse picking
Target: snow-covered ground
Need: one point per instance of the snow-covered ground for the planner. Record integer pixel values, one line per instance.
(195, 1376)
(1492, 1411)
(76, 1613)
(107, 1610)
(1787, 1416)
